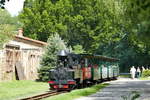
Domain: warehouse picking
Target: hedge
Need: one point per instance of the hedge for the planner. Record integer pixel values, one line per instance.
(146, 73)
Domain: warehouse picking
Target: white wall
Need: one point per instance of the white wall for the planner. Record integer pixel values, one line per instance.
(24, 45)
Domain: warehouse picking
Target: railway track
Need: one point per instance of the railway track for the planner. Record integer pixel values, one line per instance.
(44, 95)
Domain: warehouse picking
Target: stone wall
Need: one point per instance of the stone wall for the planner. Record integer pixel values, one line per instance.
(20, 62)
(2, 64)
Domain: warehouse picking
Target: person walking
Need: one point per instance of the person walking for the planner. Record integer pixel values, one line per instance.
(138, 72)
(132, 72)
(143, 69)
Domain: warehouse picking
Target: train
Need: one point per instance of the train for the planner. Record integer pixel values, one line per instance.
(81, 70)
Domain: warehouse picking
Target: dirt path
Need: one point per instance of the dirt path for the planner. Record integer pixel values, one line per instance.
(122, 89)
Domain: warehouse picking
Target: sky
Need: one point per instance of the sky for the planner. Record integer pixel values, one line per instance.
(14, 6)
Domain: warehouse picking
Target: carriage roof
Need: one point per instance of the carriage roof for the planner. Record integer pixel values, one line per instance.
(98, 57)
(89, 56)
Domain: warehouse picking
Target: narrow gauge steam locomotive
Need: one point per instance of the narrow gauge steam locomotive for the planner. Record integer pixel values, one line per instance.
(80, 70)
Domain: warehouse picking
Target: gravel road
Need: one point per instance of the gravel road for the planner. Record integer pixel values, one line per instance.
(122, 89)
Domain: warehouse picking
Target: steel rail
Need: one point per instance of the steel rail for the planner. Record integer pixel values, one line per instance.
(44, 95)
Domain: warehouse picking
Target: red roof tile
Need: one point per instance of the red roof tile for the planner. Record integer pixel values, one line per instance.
(30, 40)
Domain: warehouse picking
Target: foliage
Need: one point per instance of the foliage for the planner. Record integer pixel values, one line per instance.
(131, 96)
(5, 33)
(2, 3)
(133, 48)
(145, 78)
(78, 93)
(6, 18)
(78, 49)
(139, 24)
(137, 12)
(117, 28)
(146, 73)
(16, 89)
(8, 25)
(128, 53)
(125, 76)
(49, 59)
(87, 23)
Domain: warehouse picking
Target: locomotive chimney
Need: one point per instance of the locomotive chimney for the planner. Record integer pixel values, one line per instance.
(62, 53)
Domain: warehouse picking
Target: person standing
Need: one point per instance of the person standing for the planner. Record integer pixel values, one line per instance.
(143, 68)
(132, 72)
(138, 72)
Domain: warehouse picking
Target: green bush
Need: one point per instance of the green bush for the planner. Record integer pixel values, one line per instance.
(146, 73)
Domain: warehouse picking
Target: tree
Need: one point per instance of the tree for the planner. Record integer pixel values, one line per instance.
(6, 18)
(84, 22)
(5, 33)
(8, 25)
(49, 59)
(133, 45)
(118, 28)
(2, 3)
(128, 53)
(137, 12)
(78, 49)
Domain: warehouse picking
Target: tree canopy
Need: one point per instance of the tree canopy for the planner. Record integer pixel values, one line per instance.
(2, 3)
(118, 28)
(78, 22)
(8, 25)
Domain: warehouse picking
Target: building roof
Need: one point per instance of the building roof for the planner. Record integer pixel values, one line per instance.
(30, 41)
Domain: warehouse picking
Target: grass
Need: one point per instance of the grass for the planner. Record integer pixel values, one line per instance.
(15, 89)
(134, 95)
(78, 93)
(125, 76)
(129, 76)
(144, 78)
